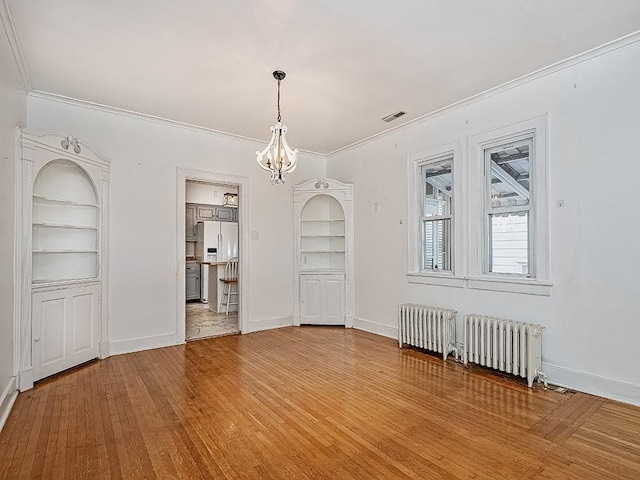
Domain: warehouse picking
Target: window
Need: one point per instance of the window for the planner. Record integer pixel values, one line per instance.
(436, 219)
(507, 212)
(435, 255)
(478, 211)
(508, 217)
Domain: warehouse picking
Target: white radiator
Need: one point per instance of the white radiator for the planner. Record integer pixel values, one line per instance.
(512, 347)
(430, 328)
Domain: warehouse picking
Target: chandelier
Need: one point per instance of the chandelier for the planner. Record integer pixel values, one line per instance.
(278, 158)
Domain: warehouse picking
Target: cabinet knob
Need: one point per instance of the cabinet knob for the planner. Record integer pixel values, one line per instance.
(36, 339)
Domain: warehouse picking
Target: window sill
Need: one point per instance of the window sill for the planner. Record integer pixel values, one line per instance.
(511, 285)
(442, 279)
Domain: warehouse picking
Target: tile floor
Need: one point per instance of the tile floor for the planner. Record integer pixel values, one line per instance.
(203, 323)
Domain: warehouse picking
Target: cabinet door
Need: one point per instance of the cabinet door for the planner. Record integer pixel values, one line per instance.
(191, 234)
(322, 299)
(310, 300)
(225, 214)
(192, 282)
(206, 212)
(65, 328)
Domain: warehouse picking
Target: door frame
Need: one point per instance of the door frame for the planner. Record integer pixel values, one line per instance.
(29, 144)
(205, 176)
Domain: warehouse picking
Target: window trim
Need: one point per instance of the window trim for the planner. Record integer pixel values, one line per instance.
(539, 282)
(415, 274)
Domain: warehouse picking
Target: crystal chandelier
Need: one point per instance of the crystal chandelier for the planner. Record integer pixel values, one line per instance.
(278, 158)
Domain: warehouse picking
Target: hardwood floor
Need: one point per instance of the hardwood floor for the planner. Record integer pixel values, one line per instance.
(309, 403)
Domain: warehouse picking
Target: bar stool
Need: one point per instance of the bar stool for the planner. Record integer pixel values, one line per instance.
(230, 280)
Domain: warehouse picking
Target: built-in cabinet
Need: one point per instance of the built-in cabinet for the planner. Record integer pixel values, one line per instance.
(191, 232)
(63, 213)
(323, 211)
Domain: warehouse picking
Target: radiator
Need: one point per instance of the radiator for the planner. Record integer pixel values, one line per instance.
(512, 347)
(425, 327)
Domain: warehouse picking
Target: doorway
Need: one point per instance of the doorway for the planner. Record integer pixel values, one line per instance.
(212, 250)
(210, 293)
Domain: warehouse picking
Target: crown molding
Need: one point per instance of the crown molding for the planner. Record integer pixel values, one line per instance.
(150, 118)
(12, 37)
(529, 77)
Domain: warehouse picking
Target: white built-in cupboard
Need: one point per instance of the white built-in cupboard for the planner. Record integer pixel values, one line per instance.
(62, 211)
(323, 218)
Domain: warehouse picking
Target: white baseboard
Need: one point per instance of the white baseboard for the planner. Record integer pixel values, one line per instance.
(269, 324)
(7, 399)
(593, 384)
(118, 347)
(373, 327)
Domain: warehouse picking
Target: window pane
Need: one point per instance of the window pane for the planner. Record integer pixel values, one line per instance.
(437, 244)
(510, 175)
(437, 189)
(509, 243)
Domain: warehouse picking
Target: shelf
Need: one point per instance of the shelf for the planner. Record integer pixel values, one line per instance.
(65, 251)
(321, 236)
(62, 225)
(59, 201)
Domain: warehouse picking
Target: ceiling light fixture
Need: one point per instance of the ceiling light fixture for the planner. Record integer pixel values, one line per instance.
(278, 158)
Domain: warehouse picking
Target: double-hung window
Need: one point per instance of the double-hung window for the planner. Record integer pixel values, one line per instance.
(435, 245)
(437, 215)
(509, 206)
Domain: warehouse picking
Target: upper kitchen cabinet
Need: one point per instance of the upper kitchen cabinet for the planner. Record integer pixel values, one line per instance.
(227, 214)
(323, 218)
(191, 233)
(206, 212)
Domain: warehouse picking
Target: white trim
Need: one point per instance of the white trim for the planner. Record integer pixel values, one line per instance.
(7, 399)
(439, 279)
(510, 285)
(529, 77)
(12, 36)
(270, 323)
(373, 327)
(593, 384)
(150, 118)
(25, 379)
(242, 182)
(118, 347)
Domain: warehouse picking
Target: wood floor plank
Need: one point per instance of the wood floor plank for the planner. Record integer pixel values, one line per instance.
(309, 403)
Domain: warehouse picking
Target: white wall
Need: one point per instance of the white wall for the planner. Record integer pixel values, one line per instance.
(205, 193)
(13, 110)
(592, 317)
(145, 155)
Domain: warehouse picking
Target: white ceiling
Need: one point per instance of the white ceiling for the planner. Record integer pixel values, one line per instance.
(349, 63)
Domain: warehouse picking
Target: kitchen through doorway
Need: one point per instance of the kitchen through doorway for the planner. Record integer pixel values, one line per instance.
(212, 249)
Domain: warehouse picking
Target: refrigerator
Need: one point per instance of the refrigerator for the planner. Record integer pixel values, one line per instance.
(216, 242)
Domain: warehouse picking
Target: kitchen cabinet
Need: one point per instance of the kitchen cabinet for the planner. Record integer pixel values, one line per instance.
(193, 281)
(197, 212)
(191, 234)
(227, 214)
(322, 299)
(206, 212)
(324, 277)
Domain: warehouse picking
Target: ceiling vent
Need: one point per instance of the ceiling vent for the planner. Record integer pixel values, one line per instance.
(393, 116)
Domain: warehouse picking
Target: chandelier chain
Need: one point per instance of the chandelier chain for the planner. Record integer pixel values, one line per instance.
(279, 118)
